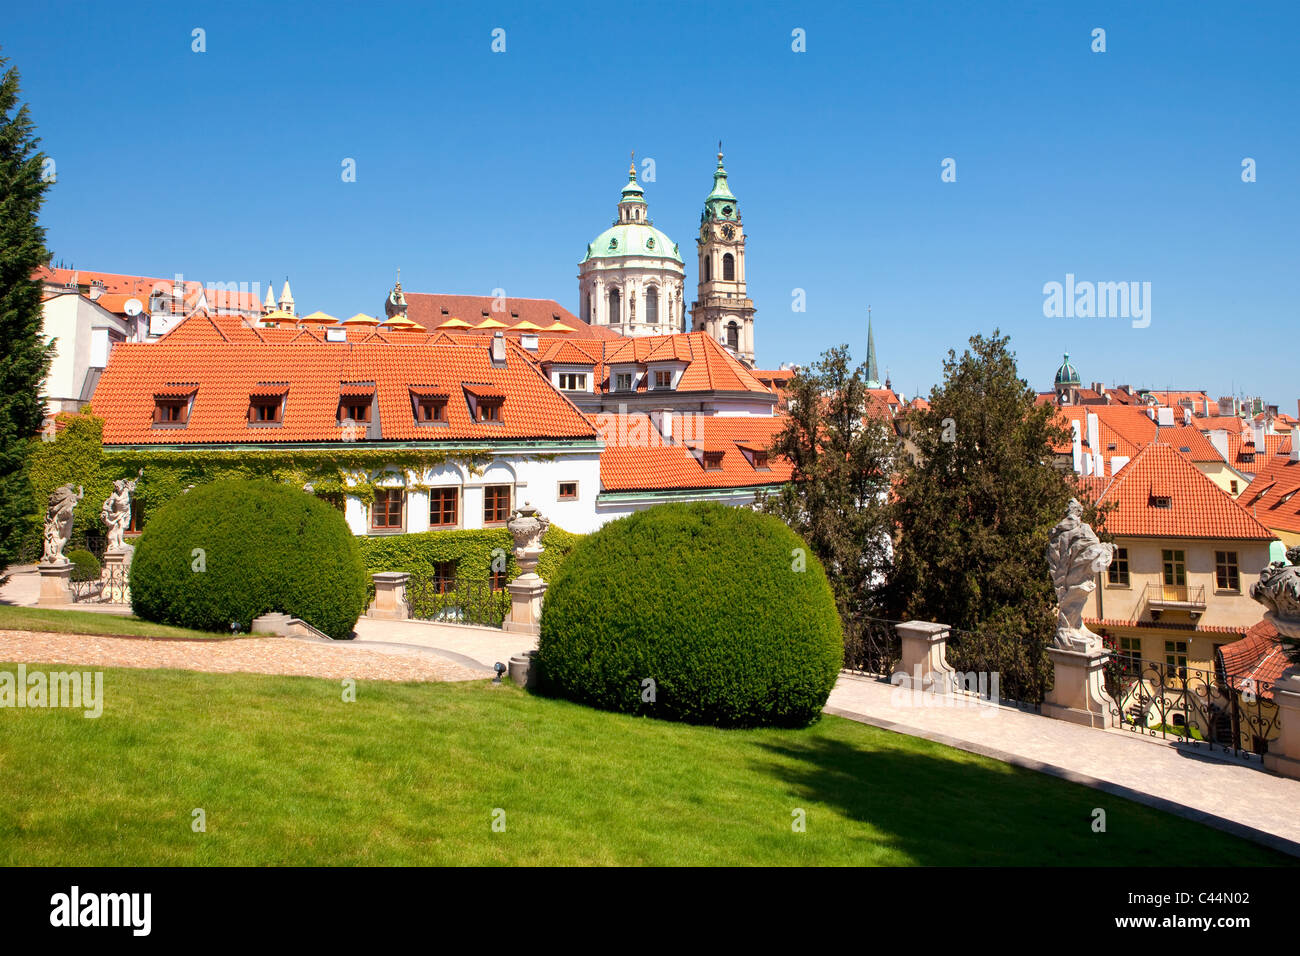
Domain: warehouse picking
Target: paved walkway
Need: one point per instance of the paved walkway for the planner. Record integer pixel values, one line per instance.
(255, 655)
(472, 646)
(1223, 792)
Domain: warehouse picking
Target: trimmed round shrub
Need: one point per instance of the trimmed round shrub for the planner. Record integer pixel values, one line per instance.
(85, 566)
(230, 551)
(725, 610)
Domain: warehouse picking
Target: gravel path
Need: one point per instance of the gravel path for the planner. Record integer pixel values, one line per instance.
(262, 655)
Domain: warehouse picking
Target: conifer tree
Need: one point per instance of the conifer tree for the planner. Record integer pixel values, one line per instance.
(24, 354)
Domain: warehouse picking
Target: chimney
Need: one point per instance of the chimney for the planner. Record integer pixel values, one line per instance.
(1165, 417)
(1094, 442)
(1219, 439)
(1295, 443)
(1257, 432)
(1187, 416)
(498, 348)
(529, 341)
(1077, 446)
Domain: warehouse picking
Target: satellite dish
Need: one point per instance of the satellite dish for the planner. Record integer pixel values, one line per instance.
(133, 307)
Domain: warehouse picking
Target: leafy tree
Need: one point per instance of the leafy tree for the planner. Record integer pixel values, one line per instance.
(974, 507)
(837, 500)
(24, 355)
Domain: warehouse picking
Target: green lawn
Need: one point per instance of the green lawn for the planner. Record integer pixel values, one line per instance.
(288, 773)
(91, 622)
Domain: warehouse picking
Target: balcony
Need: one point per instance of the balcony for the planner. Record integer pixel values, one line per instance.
(1175, 597)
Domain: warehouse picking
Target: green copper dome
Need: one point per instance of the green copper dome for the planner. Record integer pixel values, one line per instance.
(633, 234)
(1067, 374)
(632, 239)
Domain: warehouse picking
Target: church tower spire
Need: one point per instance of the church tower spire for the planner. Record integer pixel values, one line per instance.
(723, 307)
(873, 369)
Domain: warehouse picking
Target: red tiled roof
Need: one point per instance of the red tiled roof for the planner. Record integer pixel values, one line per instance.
(1257, 657)
(1199, 508)
(1127, 427)
(636, 459)
(1093, 622)
(228, 372)
(1274, 496)
(431, 310)
(1190, 441)
(118, 289)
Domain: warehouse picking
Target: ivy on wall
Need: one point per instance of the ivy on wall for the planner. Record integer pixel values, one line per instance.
(76, 455)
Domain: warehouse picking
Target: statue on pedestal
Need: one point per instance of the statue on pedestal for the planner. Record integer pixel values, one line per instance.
(1075, 556)
(1278, 589)
(58, 522)
(116, 513)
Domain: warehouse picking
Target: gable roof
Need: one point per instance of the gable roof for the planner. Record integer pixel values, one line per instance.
(1198, 507)
(316, 374)
(1257, 657)
(433, 309)
(1274, 496)
(638, 458)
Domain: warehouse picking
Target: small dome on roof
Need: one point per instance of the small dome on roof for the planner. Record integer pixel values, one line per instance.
(1067, 374)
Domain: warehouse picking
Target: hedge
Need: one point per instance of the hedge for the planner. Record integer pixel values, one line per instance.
(472, 550)
(85, 566)
(230, 551)
(697, 612)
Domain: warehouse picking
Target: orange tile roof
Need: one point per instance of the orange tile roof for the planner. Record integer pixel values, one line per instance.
(1199, 508)
(710, 367)
(119, 288)
(433, 309)
(1127, 427)
(636, 459)
(1274, 496)
(1257, 657)
(228, 369)
(1190, 441)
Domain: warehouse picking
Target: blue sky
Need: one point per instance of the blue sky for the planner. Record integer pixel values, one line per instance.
(478, 170)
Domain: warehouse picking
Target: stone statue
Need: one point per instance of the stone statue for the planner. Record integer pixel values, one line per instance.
(1075, 556)
(526, 526)
(116, 513)
(1278, 589)
(58, 522)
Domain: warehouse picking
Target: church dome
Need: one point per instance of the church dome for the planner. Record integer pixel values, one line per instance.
(632, 234)
(1067, 374)
(633, 239)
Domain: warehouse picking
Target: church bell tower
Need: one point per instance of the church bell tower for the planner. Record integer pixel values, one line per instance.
(723, 307)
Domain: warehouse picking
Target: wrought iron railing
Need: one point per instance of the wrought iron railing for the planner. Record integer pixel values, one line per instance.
(113, 586)
(437, 599)
(1176, 595)
(1191, 705)
(1020, 666)
(873, 647)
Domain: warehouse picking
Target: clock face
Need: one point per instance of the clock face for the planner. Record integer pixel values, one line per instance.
(728, 232)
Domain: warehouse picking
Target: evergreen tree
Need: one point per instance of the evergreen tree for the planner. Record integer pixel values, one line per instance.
(24, 355)
(842, 459)
(974, 507)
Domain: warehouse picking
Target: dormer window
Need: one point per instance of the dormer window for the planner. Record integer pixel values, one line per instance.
(573, 381)
(485, 404)
(266, 404)
(171, 406)
(355, 402)
(1161, 501)
(663, 379)
(623, 381)
(711, 460)
(171, 411)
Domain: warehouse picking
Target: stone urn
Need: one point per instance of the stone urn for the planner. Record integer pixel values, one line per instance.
(526, 526)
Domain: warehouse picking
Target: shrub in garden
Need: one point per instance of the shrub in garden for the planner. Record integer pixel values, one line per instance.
(85, 566)
(230, 551)
(725, 610)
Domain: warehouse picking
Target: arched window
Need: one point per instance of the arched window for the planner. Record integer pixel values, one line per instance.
(615, 316)
(708, 268)
(729, 267)
(652, 305)
(733, 336)
(586, 307)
